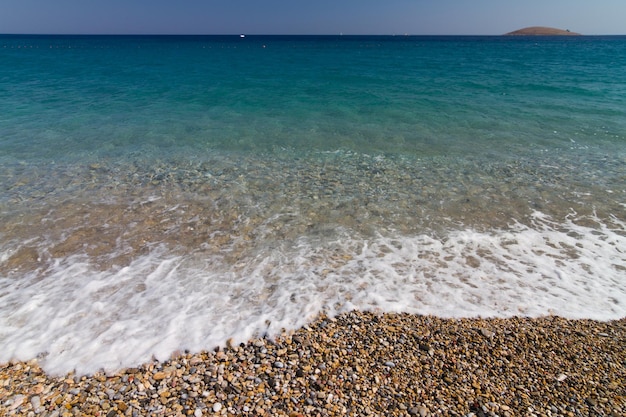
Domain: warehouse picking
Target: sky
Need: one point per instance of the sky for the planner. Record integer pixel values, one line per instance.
(363, 17)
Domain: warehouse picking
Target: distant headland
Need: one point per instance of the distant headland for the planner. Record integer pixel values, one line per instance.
(541, 31)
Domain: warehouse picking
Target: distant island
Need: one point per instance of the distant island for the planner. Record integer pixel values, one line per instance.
(541, 31)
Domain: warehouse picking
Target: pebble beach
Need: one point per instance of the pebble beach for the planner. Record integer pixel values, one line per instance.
(358, 364)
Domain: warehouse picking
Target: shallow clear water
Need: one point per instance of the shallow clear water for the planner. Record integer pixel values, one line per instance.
(164, 193)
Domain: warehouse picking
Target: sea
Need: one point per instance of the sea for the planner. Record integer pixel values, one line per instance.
(161, 194)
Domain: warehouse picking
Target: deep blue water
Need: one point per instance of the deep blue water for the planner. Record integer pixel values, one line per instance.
(266, 178)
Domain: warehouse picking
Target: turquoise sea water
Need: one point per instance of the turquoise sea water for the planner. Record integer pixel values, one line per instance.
(160, 193)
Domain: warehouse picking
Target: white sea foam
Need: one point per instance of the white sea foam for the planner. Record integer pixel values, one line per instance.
(77, 317)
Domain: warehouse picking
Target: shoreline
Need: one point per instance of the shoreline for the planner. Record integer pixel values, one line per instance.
(359, 363)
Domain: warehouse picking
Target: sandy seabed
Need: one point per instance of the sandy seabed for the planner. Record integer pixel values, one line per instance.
(358, 364)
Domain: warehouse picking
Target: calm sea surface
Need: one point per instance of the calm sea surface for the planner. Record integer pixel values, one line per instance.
(164, 193)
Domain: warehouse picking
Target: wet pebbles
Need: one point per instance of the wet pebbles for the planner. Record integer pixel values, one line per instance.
(114, 211)
(358, 364)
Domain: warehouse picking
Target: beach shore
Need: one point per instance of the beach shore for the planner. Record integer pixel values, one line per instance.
(358, 364)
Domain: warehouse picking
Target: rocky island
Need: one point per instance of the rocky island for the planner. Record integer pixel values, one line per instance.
(542, 31)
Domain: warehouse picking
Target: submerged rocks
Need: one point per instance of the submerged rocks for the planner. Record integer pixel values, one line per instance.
(359, 364)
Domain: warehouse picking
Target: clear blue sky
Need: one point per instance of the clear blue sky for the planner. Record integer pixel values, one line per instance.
(420, 17)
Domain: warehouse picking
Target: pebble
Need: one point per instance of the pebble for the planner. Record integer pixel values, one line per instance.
(487, 333)
(159, 376)
(543, 366)
(35, 402)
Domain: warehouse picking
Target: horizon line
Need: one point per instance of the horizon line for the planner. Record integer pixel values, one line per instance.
(280, 34)
(239, 34)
